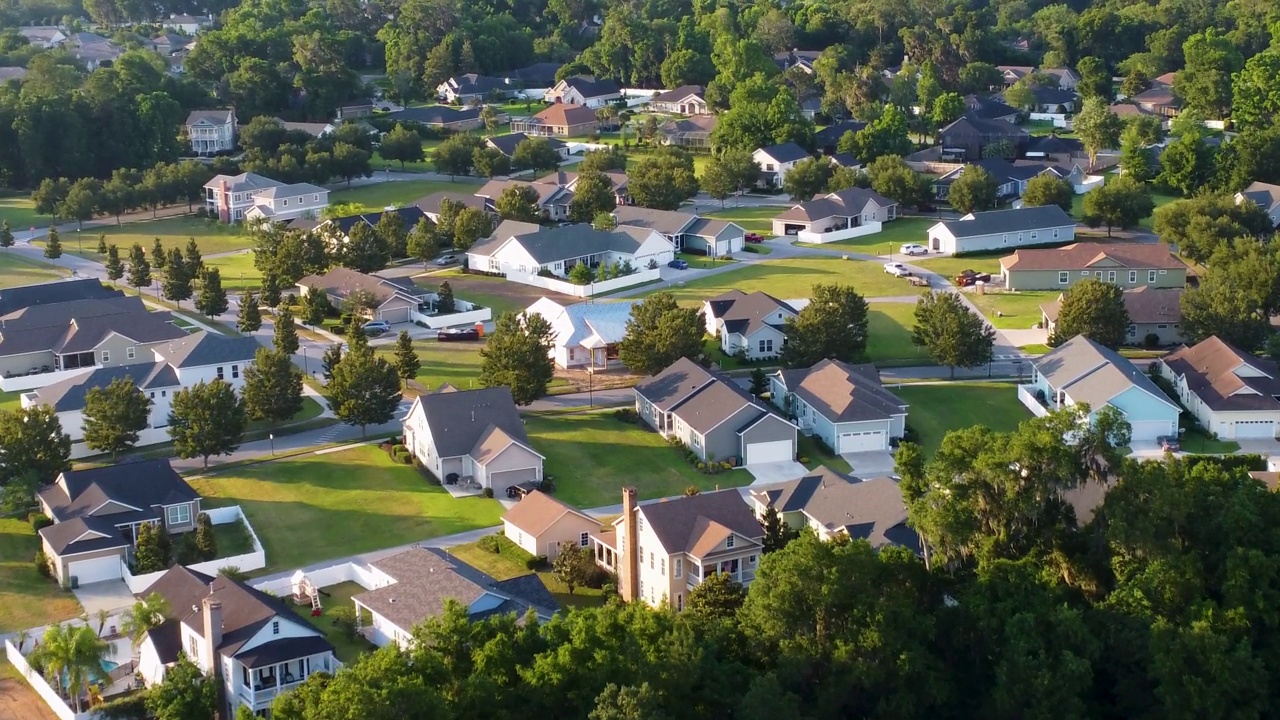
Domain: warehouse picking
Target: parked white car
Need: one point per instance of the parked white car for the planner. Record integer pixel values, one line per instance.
(913, 249)
(896, 269)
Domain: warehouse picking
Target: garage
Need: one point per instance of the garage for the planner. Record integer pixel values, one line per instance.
(1254, 429)
(394, 314)
(854, 442)
(769, 452)
(95, 570)
(1149, 430)
(502, 479)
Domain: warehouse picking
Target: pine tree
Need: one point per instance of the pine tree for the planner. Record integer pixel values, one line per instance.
(315, 306)
(6, 235)
(206, 419)
(193, 260)
(139, 268)
(407, 362)
(759, 382)
(365, 389)
(152, 550)
(212, 301)
(159, 258)
(332, 356)
(206, 539)
(53, 248)
(177, 283)
(776, 532)
(249, 318)
(272, 387)
(115, 268)
(270, 288)
(102, 243)
(286, 334)
(114, 415)
(445, 303)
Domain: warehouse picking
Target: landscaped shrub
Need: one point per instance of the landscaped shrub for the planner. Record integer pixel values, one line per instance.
(488, 492)
(490, 543)
(1250, 461)
(232, 572)
(42, 564)
(627, 415)
(822, 445)
(548, 485)
(344, 621)
(397, 449)
(206, 541)
(186, 551)
(128, 707)
(535, 562)
(40, 521)
(338, 329)
(1151, 340)
(405, 458)
(909, 434)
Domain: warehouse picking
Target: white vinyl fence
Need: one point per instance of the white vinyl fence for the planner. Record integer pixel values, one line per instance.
(869, 228)
(256, 559)
(39, 380)
(596, 288)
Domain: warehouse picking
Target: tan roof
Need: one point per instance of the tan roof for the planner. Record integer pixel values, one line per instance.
(1146, 305)
(538, 511)
(706, 535)
(1078, 256)
(1213, 368)
(1270, 479)
(567, 114)
(1165, 79)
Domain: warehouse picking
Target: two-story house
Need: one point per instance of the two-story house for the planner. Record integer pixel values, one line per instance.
(1129, 265)
(748, 323)
(252, 645)
(776, 161)
(249, 196)
(967, 136)
(211, 131)
(96, 514)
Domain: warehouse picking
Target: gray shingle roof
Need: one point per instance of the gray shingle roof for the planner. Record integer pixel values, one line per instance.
(341, 282)
(435, 115)
(548, 245)
(844, 393)
(81, 325)
(460, 420)
(139, 484)
(204, 348)
(1091, 373)
(1006, 221)
(70, 394)
(700, 398)
(744, 313)
(506, 144)
(680, 93)
(220, 116)
(62, 537)
(667, 222)
(871, 510)
(679, 523)
(590, 86)
(786, 152)
(17, 298)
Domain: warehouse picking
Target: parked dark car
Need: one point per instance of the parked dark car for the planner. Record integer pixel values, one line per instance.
(457, 334)
(1169, 443)
(678, 265)
(969, 277)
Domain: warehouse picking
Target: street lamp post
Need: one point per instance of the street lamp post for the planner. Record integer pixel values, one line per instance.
(272, 438)
(305, 367)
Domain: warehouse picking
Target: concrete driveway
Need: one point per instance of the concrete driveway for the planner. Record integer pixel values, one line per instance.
(776, 472)
(1264, 447)
(111, 595)
(870, 464)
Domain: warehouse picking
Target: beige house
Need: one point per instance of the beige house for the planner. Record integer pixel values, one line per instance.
(1231, 393)
(1153, 312)
(584, 90)
(541, 525)
(834, 505)
(689, 132)
(398, 299)
(684, 100)
(1129, 265)
(562, 119)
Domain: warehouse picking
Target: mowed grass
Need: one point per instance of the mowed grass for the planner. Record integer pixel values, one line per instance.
(509, 562)
(455, 363)
(21, 213)
(891, 237)
(372, 198)
(889, 326)
(11, 400)
(938, 409)
(28, 599)
(794, 278)
(593, 456)
(211, 237)
(16, 270)
(1012, 310)
(238, 272)
(347, 649)
(752, 219)
(949, 267)
(318, 507)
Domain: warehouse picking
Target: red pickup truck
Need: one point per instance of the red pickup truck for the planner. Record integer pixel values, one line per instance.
(753, 238)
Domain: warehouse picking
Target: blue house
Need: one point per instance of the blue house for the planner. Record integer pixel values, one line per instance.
(1081, 371)
(843, 405)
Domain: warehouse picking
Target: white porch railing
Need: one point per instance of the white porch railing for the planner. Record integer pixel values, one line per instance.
(1027, 396)
(869, 228)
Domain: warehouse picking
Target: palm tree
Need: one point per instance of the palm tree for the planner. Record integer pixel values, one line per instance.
(145, 615)
(102, 616)
(72, 656)
(22, 637)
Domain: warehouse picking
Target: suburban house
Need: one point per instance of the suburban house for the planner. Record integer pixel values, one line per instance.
(93, 50)
(1153, 313)
(1080, 371)
(553, 198)
(189, 24)
(398, 299)
(173, 365)
(831, 213)
(1265, 196)
(1055, 148)
(689, 132)
(1231, 393)
(462, 89)
(684, 100)
(249, 196)
(518, 249)
(211, 131)
(43, 36)
(686, 231)
(803, 59)
(714, 417)
(1052, 100)
(1159, 100)
(843, 405)
(618, 182)
(585, 334)
(834, 506)
(251, 643)
(1011, 178)
(985, 107)
(81, 335)
(776, 161)
(472, 438)
(537, 75)
(8, 73)
(1042, 225)
(662, 551)
(584, 90)
(431, 204)
(966, 137)
(418, 583)
(1127, 264)
(1011, 74)
(96, 514)
(337, 231)
(828, 138)
(749, 323)
(564, 119)
(507, 144)
(441, 117)
(541, 525)
(1068, 79)
(60, 291)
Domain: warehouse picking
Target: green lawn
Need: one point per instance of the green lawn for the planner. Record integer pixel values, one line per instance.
(21, 213)
(702, 261)
(11, 400)
(347, 649)
(310, 410)
(794, 278)
(752, 219)
(811, 456)
(938, 409)
(509, 562)
(233, 539)
(1013, 310)
(16, 270)
(757, 248)
(28, 599)
(497, 301)
(893, 235)
(455, 363)
(373, 198)
(317, 507)
(238, 272)
(889, 326)
(949, 267)
(211, 235)
(1196, 440)
(593, 456)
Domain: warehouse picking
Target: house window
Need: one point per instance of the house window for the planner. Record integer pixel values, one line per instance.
(679, 601)
(219, 372)
(1111, 276)
(640, 524)
(679, 567)
(1133, 331)
(1162, 327)
(179, 514)
(164, 393)
(193, 647)
(1064, 277)
(584, 539)
(1055, 234)
(275, 627)
(729, 542)
(650, 559)
(662, 566)
(130, 353)
(1133, 276)
(768, 167)
(235, 371)
(1033, 234)
(285, 202)
(106, 356)
(766, 345)
(751, 560)
(1162, 272)
(316, 198)
(1151, 276)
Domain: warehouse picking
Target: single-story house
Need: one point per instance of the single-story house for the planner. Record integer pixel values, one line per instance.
(416, 584)
(507, 144)
(472, 86)
(442, 117)
(967, 136)
(563, 119)
(1159, 100)
(398, 298)
(96, 514)
(1052, 100)
(553, 198)
(713, 416)
(618, 182)
(537, 75)
(853, 207)
(337, 231)
(1265, 196)
(541, 525)
(517, 248)
(1231, 393)
(834, 505)
(59, 291)
(684, 100)
(1127, 264)
(1011, 74)
(692, 131)
(1152, 312)
(1068, 79)
(843, 405)
(1080, 371)
(828, 138)
(1042, 225)
(472, 438)
(431, 204)
(984, 107)
(686, 231)
(776, 161)
(585, 90)
(750, 323)
(1011, 178)
(1055, 148)
(586, 334)
(803, 59)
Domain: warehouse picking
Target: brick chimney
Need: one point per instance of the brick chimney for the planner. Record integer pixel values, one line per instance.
(212, 611)
(628, 542)
(224, 203)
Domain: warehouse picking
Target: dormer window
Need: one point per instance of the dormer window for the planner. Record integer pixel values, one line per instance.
(275, 627)
(729, 542)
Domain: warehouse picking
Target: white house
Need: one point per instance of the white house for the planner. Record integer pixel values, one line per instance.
(750, 323)
(1231, 393)
(686, 231)
(843, 405)
(518, 249)
(189, 24)
(249, 196)
(776, 161)
(1003, 229)
(584, 90)
(586, 334)
(684, 100)
(836, 215)
(211, 131)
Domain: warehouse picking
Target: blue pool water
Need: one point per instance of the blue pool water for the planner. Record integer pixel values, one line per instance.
(107, 666)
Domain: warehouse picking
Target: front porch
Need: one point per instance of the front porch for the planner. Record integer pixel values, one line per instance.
(258, 687)
(1035, 399)
(736, 568)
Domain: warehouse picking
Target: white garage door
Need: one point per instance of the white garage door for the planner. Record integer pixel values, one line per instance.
(768, 452)
(1149, 430)
(861, 442)
(394, 315)
(1255, 429)
(96, 570)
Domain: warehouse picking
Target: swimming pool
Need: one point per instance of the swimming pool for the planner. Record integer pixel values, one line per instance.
(107, 667)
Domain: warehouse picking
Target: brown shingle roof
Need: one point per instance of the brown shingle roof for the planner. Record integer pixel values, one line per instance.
(1082, 255)
(538, 511)
(872, 510)
(1146, 305)
(1211, 371)
(687, 524)
(567, 115)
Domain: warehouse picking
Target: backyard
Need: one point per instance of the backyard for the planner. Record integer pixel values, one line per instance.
(347, 648)
(17, 270)
(893, 235)
(509, 562)
(794, 278)
(939, 408)
(237, 270)
(375, 197)
(1012, 310)
(27, 599)
(594, 455)
(298, 505)
(751, 219)
(889, 343)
